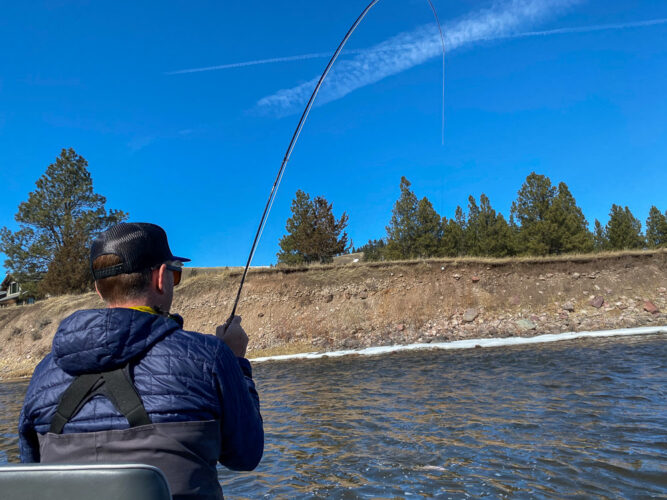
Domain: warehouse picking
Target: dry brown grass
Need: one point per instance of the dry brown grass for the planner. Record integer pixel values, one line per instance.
(359, 268)
(572, 257)
(281, 350)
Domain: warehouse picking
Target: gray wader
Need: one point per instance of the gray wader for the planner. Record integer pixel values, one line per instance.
(186, 452)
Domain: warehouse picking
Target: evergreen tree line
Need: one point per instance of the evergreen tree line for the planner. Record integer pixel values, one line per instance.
(48, 254)
(544, 220)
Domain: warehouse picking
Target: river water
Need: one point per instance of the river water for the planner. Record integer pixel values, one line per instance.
(582, 418)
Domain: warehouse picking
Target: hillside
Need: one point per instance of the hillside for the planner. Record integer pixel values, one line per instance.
(323, 308)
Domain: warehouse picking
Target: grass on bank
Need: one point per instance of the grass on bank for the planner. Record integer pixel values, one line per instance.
(297, 348)
(233, 272)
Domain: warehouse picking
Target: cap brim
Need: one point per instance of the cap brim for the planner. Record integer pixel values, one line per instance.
(182, 259)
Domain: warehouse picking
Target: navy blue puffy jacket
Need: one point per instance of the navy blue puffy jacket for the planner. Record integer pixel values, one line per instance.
(181, 376)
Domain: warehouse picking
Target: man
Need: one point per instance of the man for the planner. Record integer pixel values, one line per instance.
(128, 384)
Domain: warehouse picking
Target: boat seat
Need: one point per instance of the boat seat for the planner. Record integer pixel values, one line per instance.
(82, 482)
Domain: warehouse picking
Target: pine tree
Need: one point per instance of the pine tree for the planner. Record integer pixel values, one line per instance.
(295, 246)
(473, 229)
(656, 228)
(57, 224)
(530, 213)
(429, 230)
(69, 271)
(461, 225)
(503, 238)
(402, 229)
(550, 222)
(600, 240)
(623, 230)
(313, 233)
(415, 229)
(373, 250)
(487, 232)
(452, 242)
(568, 225)
(533, 200)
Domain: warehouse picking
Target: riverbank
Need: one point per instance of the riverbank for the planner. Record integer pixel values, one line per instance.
(354, 306)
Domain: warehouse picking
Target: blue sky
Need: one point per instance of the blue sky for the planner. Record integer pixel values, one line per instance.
(571, 89)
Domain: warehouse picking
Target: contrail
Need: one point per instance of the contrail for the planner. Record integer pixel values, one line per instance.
(316, 55)
(251, 63)
(271, 60)
(585, 29)
(409, 49)
(528, 8)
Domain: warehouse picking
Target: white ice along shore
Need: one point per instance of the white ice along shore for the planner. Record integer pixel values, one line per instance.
(469, 343)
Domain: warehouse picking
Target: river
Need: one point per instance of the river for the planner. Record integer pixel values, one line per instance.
(580, 418)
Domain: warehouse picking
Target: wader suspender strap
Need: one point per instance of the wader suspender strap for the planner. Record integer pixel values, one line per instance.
(115, 385)
(124, 396)
(72, 399)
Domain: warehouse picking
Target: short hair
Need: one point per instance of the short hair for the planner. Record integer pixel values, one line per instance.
(122, 287)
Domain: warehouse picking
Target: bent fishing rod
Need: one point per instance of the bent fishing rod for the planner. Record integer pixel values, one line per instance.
(300, 125)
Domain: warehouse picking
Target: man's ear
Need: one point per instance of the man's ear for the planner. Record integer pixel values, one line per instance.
(98, 291)
(159, 279)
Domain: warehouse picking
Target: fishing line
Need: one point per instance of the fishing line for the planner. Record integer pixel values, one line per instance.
(302, 121)
(442, 41)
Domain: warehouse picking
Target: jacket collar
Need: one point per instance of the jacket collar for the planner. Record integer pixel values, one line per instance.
(98, 340)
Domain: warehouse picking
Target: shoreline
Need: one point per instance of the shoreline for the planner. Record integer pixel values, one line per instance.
(353, 307)
(468, 344)
(483, 343)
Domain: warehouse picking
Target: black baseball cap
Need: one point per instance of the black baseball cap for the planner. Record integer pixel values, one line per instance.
(140, 245)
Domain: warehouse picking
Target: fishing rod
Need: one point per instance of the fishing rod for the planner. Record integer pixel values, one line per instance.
(301, 123)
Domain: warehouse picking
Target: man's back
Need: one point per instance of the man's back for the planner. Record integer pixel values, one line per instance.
(199, 397)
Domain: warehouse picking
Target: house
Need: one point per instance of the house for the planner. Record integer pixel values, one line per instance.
(11, 293)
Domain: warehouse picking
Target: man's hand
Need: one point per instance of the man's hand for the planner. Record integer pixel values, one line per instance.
(234, 336)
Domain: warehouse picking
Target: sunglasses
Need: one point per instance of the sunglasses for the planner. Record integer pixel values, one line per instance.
(176, 270)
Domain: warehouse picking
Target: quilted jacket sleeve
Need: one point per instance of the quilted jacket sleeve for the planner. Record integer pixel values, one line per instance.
(241, 423)
(28, 444)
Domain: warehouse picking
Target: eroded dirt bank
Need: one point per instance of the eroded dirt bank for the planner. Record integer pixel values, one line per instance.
(361, 305)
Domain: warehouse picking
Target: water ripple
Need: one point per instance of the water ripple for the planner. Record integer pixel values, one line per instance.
(580, 418)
